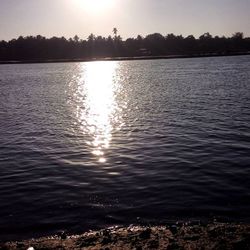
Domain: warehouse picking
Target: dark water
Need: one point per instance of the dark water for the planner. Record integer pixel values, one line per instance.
(88, 145)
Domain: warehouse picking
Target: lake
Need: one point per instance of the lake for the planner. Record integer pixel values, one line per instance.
(90, 145)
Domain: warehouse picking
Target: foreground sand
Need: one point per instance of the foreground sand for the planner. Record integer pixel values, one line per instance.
(177, 236)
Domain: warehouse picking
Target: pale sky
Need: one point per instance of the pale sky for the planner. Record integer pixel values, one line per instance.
(131, 17)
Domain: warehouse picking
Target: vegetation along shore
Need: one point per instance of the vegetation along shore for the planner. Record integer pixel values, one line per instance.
(36, 49)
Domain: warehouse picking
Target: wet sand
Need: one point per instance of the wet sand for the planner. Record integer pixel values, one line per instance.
(177, 236)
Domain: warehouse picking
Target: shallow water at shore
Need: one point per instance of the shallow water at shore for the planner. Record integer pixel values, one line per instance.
(85, 145)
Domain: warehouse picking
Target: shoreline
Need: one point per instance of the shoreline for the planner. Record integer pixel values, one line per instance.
(186, 236)
(125, 58)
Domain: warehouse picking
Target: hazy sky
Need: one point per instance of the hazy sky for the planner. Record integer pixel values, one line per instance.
(131, 17)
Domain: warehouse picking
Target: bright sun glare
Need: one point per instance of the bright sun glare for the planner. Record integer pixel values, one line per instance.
(98, 111)
(95, 6)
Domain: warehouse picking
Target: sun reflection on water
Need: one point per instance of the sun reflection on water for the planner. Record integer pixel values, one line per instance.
(98, 112)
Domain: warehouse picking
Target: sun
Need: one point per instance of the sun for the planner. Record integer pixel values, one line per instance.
(95, 6)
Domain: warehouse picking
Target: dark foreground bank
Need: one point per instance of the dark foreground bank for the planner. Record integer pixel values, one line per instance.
(177, 236)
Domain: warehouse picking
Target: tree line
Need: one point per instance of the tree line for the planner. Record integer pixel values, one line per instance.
(55, 48)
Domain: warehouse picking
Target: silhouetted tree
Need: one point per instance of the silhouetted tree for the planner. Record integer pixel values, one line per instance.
(238, 35)
(115, 32)
(76, 38)
(41, 48)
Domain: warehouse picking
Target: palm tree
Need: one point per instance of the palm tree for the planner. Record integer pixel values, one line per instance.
(115, 31)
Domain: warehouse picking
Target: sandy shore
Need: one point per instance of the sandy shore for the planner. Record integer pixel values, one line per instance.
(178, 236)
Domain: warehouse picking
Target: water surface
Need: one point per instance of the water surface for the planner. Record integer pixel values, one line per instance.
(88, 145)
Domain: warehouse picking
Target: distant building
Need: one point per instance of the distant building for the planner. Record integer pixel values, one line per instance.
(144, 52)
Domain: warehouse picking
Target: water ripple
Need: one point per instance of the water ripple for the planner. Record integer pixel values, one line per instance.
(86, 145)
